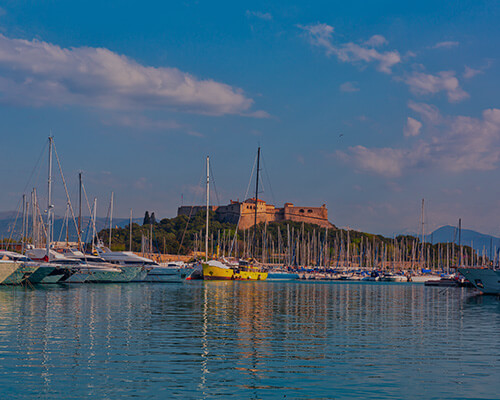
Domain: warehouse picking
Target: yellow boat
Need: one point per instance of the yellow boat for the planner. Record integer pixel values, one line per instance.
(216, 270)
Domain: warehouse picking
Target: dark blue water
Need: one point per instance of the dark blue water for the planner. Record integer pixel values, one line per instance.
(244, 340)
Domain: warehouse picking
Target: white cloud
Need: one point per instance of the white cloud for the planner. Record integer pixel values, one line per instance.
(427, 111)
(320, 35)
(40, 73)
(385, 161)
(258, 14)
(462, 144)
(471, 72)
(446, 45)
(195, 134)
(412, 127)
(376, 41)
(421, 84)
(349, 87)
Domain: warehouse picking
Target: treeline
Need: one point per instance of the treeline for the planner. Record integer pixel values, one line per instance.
(288, 242)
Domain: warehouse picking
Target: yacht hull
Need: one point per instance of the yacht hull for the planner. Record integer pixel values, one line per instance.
(282, 276)
(423, 278)
(487, 280)
(166, 274)
(58, 275)
(212, 272)
(15, 273)
(141, 276)
(41, 273)
(123, 274)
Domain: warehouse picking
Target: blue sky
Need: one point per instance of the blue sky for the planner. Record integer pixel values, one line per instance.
(367, 106)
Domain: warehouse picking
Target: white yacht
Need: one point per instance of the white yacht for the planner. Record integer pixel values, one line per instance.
(153, 272)
(75, 270)
(113, 273)
(487, 280)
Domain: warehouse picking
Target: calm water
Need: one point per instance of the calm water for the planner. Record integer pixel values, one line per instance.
(249, 340)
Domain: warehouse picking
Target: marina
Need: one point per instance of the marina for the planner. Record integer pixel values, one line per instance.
(261, 200)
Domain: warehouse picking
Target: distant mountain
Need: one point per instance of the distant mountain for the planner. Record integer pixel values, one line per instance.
(478, 240)
(9, 225)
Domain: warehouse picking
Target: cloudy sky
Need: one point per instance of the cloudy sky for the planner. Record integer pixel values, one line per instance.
(366, 106)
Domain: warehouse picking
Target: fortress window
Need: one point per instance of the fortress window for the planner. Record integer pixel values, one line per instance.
(301, 210)
(309, 211)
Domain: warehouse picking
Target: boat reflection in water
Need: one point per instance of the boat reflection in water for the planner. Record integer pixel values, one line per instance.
(227, 339)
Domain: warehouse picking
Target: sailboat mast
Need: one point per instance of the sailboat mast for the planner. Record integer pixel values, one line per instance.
(110, 219)
(130, 235)
(49, 199)
(256, 200)
(460, 241)
(94, 232)
(208, 202)
(23, 235)
(79, 210)
(33, 217)
(422, 250)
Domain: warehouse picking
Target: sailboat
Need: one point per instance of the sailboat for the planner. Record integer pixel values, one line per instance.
(224, 270)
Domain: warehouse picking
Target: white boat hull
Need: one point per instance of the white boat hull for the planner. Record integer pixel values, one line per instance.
(424, 278)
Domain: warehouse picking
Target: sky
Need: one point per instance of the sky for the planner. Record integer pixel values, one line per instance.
(365, 106)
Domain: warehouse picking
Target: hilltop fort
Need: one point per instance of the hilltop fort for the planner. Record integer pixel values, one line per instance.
(245, 213)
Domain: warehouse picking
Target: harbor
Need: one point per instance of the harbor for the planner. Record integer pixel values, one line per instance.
(249, 200)
(253, 251)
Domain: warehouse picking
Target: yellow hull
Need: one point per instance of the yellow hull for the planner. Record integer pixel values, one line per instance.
(211, 272)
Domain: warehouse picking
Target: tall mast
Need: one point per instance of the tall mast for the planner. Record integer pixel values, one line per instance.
(422, 254)
(23, 235)
(49, 200)
(110, 220)
(256, 200)
(33, 217)
(94, 232)
(130, 238)
(208, 201)
(79, 210)
(460, 241)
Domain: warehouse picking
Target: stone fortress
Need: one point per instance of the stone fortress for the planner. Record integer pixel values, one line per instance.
(245, 213)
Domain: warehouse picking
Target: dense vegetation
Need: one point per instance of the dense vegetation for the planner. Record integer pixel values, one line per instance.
(296, 242)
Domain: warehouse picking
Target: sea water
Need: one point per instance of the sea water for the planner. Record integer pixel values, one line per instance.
(248, 340)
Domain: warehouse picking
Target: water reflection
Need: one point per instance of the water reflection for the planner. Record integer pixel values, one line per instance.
(249, 340)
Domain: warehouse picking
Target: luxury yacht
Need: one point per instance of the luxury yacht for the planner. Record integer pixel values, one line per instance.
(487, 280)
(152, 271)
(74, 269)
(16, 268)
(112, 272)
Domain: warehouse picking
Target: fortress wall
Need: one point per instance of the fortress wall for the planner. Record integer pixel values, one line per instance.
(244, 212)
(311, 215)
